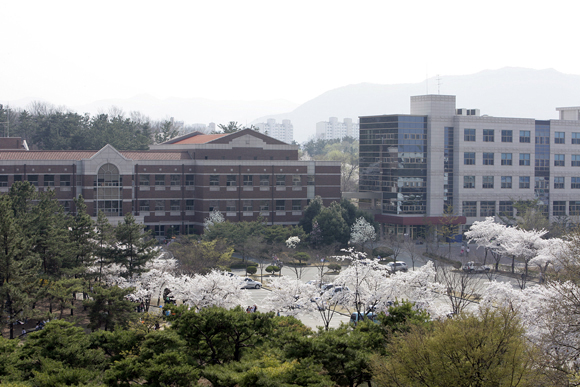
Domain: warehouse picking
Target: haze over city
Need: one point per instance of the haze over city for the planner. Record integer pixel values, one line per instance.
(73, 53)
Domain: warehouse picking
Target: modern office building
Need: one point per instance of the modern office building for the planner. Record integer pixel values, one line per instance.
(416, 165)
(245, 175)
(283, 132)
(333, 129)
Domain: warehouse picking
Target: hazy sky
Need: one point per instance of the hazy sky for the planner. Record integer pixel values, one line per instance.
(74, 52)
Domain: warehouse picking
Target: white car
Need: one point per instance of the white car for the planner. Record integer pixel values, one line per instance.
(248, 283)
(397, 266)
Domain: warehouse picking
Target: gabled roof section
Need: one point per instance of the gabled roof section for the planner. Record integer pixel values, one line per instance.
(232, 136)
(108, 149)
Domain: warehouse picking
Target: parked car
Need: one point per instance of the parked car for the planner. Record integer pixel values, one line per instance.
(248, 283)
(356, 317)
(475, 267)
(397, 266)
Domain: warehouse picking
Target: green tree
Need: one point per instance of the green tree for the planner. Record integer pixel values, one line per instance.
(104, 238)
(332, 225)
(310, 212)
(218, 336)
(134, 246)
(198, 256)
(489, 350)
(166, 132)
(19, 267)
(109, 308)
(231, 127)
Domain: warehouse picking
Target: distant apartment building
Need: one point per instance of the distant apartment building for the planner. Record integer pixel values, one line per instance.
(246, 175)
(416, 165)
(333, 129)
(283, 132)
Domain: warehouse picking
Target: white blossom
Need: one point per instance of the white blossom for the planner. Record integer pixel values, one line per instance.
(362, 232)
(214, 217)
(292, 242)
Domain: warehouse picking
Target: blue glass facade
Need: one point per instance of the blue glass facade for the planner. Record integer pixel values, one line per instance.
(393, 160)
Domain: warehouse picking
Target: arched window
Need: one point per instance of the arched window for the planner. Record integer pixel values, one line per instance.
(108, 186)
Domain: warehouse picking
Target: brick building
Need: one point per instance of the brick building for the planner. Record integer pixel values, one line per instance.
(245, 175)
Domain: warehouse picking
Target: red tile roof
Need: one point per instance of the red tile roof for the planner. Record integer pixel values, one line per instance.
(80, 155)
(45, 155)
(200, 139)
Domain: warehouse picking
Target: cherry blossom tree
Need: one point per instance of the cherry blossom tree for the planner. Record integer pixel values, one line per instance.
(214, 217)
(487, 234)
(362, 232)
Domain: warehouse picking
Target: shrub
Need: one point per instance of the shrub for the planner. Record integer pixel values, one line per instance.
(384, 252)
(251, 270)
(334, 267)
(272, 269)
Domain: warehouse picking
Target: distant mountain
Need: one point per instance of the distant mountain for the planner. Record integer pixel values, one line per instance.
(507, 92)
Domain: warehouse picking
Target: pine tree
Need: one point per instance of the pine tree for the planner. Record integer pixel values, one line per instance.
(19, 267)
(134, 249)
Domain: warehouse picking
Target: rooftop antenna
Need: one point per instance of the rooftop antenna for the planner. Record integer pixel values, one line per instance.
(438, 84)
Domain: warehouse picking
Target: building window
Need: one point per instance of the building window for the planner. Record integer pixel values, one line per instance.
(507, 136)
(248, 180)
(280, 179)
(559, 138)
(558, 208)
(296, 205)
(230, 206)
(310, 179)
(175, 180)
(159, 179)
(280, 205)
(33, 179)
(296, 180)
(214, 180)
(506, 159)
(469, 158)
(487, 181)
(525, 136)
(190, 180)
(487, 208)
(159, 205)
(65, 180)
(247, 205)
(265, 180)
(468, 181)
(488, 135)
(575, 160)
(506, 182)
(143, 205)
(524, 182)
(175, 205)
(264, 205)
(143, 179)
(469, 209)
(159, 231)
(506, 208)
(3, 181)
(49, 180)
(576, 138)
(524, 159)
(17, 178)
(559, 160)
(231, 180)
(468, 134)
(189, 205)
(487, 158)
(559, 182)
(573, 208)
(575, 183)
(214, 205)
